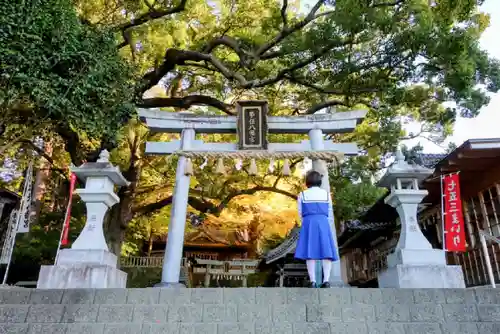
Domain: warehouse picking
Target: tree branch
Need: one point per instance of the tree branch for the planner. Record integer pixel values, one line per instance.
(387, 4)
(38, 150)
(71, 143)
(208, 207)
(194, 202)
(323, 105)
(230, 43)
(175, 57)
(186, 102)
(152, 14)
(283, 13)
(250, 191)
(288, 30)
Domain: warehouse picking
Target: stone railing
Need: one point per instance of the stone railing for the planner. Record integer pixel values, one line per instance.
(141, 261)
(234, 270)
(145, 261)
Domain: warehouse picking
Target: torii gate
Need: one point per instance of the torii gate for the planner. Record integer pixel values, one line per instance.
(188, 124)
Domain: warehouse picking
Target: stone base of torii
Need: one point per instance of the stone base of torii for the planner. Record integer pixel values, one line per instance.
(316, 126)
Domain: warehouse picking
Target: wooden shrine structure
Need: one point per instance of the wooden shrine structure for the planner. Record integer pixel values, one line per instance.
(252, 124)
(364, 248)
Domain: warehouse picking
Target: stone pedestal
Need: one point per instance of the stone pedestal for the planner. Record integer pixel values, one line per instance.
(89, 264)
(420, 269)
(422, 277)
(82, 269)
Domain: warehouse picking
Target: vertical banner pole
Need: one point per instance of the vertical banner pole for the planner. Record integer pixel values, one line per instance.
(63, 238)
(443, 213)
(487, 258)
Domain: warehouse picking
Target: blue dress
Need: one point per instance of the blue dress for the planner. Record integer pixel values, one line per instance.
(315, 239)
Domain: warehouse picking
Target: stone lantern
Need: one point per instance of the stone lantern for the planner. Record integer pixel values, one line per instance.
(88, 263)
(414, 263)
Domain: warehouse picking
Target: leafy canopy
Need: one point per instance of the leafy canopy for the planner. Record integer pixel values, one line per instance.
(60, 72)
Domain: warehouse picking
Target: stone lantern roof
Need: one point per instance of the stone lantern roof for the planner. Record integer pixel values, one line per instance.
(101, 168)
(401, 169)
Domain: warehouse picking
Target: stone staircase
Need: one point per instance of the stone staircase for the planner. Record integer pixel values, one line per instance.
(250, 311)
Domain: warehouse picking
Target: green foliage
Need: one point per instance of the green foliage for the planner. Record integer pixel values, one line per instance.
(40, 244)
(56, 70)
(353, 190)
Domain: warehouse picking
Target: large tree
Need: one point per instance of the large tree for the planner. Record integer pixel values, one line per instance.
(400, 60)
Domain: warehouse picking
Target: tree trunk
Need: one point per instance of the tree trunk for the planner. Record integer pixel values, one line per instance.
(117, 222)
(150, 245)
(42, 178)
(121, 214)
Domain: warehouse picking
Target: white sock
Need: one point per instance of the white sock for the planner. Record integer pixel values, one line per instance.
(311, 270)
(327, 269)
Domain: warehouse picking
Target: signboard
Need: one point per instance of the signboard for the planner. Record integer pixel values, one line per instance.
(10, 236)
(252, 125)
(454, 228)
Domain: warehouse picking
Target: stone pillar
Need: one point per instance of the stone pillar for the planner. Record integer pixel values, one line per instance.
(175, 242)
(2, 205)
(88, 263)
(92, 236)
(317, 144)
(414, 263)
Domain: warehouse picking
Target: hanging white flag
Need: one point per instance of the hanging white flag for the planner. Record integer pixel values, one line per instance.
(23, 226)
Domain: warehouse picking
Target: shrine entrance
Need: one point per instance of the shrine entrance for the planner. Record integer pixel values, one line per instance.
(251, 124)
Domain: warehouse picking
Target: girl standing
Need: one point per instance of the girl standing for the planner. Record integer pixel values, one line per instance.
(315, 238)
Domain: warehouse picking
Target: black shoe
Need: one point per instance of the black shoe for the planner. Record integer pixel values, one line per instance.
(312, 284)
(325, 285)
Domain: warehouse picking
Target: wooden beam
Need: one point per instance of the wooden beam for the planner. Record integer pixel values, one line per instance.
(165, 148)
(341, 122)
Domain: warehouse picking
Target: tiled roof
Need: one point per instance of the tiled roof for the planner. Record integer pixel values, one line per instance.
(286, 247)
(358, 225)
(429, 160)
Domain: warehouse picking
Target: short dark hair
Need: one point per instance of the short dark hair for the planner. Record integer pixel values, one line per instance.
(313, 179)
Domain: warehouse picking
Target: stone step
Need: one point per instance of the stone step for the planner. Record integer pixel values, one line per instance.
(253, 328)
(252, 310)
(250, 296)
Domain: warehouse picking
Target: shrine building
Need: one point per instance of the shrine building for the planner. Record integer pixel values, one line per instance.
(365, 244)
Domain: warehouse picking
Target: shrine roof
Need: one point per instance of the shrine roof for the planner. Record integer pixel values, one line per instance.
(286, 247)
(429, 160)
(10, 195)
(211, 236)
(474, 157)
(379, 218)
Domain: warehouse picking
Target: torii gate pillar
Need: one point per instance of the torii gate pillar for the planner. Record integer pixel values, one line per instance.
(317, 144)
(175, 242)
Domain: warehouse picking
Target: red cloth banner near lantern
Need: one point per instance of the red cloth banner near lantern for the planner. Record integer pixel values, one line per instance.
(454, 227)
(64, 240)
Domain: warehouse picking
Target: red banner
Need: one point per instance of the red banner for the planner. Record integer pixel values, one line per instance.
(454, 227)
(64, 240)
